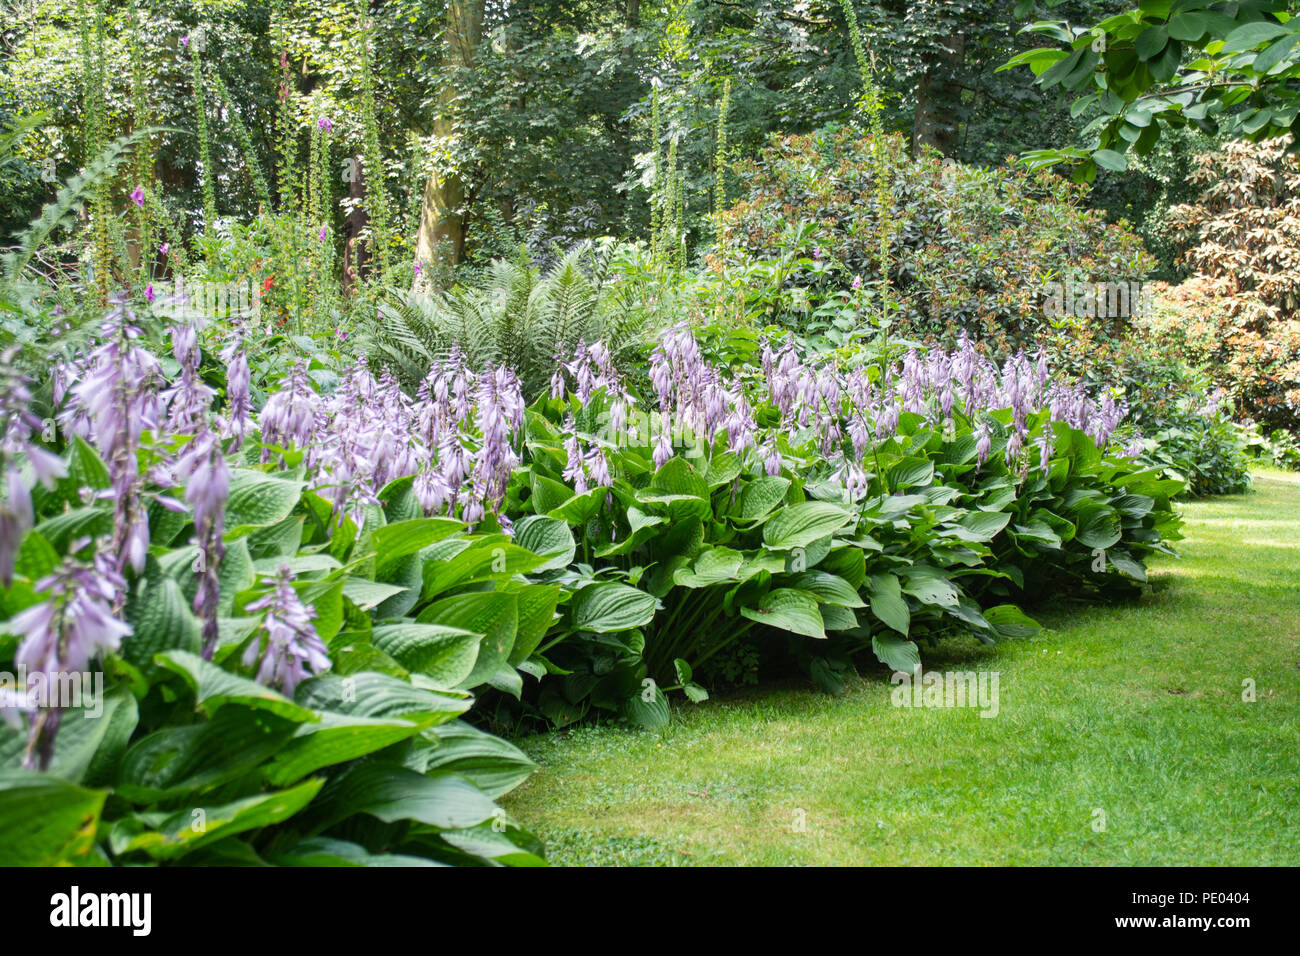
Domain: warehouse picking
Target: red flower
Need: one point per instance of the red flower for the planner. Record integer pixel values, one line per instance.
(266, 283)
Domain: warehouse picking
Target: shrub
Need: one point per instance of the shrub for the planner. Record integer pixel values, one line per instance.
(973, 248)
(1238, 317)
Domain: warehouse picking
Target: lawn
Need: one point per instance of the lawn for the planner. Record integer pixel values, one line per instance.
(1122, 737)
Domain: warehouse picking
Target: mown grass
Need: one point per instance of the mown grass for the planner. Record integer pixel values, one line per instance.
(1134, 711)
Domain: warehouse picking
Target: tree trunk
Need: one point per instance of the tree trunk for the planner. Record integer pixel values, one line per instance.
(938, 99)
(441, 239)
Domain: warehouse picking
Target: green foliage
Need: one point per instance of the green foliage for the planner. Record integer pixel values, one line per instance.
(975, 251)
(519, 316)
(1222, 66)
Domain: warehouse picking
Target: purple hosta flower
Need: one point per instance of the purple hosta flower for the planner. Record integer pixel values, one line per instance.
(137, 196)
(238, 417)
(597, 466)
(1213, 404)
(321, 235)
(1046, 444)
(165, 248)
(857, 283)
(499, 414)
(983, 443)
(113, 403)
(293, 650)
(17, 445)
(206, 490)
(855, 480)
(60, 635)
(772, 459)
(1015, 445)
(558, 385)
(325, 123)
(185, 41)
(289, 416)
(574, 472)
(742, 429)
(1105, 420)
(149, 294)
(417, 268)
(189, 400)
(1135, 448)
(663, 449)
(913, 380)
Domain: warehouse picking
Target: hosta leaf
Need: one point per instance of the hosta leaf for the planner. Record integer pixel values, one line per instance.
(494, 614)
(393, 542)
(800, 525)
(336, 739)
(214, 687)
(711, 566)
(678, 477)
(258, 500)
(445, 654)
(896, 653)
(368, 694)
(1009, 621)
(493, 765)
(161, 620)
(828, 588)
(537, 604)
(789, 610)
(46, 821)
(549, 537)
(888, 604)
(758, 497)
(608, 607)
(390, 793)
(186, 830)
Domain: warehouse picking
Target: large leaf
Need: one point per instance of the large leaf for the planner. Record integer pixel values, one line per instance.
(789, 610)
(46, 821)
(888, 604)
(258, 500)
(213, 686)
(444, 654)
(608, 607)
(443, 800)
(800, 525)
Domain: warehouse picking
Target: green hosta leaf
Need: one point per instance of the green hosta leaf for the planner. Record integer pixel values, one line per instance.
(176, 760)
(910, 472)
(489, 843)
(548, 494)
(368, 595)
(493, 765)
(444, 654)
(537, 604)
(888, 604)
(723, 469)
(393, 542)
(1099, 525)
(711, 566)
(92, 733)
(368, 694)
(549, 537)
(609, 607)
(1010, 622)
(162, 621)
(758, 497)
(327, 851)
(896, 653)
(678, 477)
(336, 739)
(789, 610)
(800, 525)
(482, 562)
(46, 821)
(298, 564)
(836, 618)
(258, 500)
(494, 614)
(214, 687)
(445, 801)
(929, 586)
(180, 833)
(984, 525)
(1126, 564)
(64, 528)
(828, 588)
(647, 708)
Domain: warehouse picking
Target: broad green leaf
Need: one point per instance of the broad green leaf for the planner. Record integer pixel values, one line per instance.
(608, 607)
(46, 821)
(888, 604)
(214, 687)
(896, 653)
(789, 610)
(800, 525)
(444, 654)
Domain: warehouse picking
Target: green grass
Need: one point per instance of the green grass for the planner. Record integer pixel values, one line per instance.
(1133, 710)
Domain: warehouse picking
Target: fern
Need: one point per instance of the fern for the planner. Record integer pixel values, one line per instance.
(516, 317)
